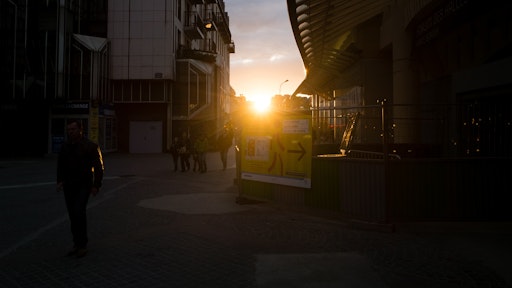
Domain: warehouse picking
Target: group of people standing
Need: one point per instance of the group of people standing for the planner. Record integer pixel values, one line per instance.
(183, 149)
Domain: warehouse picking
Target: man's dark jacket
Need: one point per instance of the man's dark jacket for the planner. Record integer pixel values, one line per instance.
(80, 164)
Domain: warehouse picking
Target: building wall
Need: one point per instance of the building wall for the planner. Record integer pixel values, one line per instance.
(142, 38)
(40, 67)
(444, 69)
(166, 44)
(44, 65)
(135, 112)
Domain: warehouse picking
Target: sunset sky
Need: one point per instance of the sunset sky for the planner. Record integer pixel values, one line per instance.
(265, 51)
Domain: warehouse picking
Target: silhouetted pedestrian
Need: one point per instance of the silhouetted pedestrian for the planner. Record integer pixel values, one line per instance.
(184, 151)
(224, 142)
(201, 147)
(79, 174)
(175, 153)
(195, 155)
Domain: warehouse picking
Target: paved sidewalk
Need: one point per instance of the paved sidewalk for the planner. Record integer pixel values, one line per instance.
(152, 227)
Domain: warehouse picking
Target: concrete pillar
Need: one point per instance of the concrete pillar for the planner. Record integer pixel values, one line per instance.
(405, 86)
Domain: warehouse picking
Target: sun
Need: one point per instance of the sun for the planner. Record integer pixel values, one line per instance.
(261, 104)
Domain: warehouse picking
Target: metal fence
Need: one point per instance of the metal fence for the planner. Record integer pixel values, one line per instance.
(412, 131)
(405, 163)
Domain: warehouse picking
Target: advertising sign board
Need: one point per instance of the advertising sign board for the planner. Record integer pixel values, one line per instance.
(277, 149)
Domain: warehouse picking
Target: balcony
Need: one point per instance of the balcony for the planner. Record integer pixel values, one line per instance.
(222, 24)
(208, 46)
(207, 52)
(194, 25)
(231, 47)
(210, 21)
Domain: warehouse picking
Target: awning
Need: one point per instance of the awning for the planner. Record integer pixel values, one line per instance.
(323, 33)
(92, 43)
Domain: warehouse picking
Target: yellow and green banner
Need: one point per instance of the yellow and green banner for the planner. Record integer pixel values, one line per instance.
(276, 149)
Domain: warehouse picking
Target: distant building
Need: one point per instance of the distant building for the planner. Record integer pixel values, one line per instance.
(134, 75)
(443, 67)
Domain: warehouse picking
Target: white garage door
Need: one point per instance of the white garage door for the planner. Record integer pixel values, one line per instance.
(145, 137)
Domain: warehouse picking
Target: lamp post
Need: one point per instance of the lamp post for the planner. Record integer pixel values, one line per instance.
(282, 86)
(14, 50)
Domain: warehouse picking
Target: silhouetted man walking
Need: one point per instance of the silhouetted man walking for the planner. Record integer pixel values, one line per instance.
(79, 174)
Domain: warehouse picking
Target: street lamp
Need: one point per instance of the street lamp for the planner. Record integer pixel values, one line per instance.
(282, 86)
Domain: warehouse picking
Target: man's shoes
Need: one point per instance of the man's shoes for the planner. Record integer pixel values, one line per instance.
(77, 252)
(81, 252)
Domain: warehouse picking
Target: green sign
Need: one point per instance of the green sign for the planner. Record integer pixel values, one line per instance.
(277, 149)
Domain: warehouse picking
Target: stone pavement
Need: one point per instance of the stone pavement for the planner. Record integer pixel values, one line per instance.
(151, 227)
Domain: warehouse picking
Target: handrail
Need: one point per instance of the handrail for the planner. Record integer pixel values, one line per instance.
(370, 154)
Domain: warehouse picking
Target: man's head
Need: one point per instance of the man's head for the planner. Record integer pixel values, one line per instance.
(74, 130)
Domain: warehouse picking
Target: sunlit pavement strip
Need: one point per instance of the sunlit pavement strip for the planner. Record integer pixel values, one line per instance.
(41, 184)
(316, 270)
(27, 185)
(197, 203)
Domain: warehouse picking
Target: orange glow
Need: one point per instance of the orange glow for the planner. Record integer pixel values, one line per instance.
(265, 57)
(261, 104)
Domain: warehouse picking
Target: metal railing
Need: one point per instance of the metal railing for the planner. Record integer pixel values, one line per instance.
(432, 131)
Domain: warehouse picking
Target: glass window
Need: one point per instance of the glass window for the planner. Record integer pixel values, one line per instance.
(127, 91)
(157, 91)
(144, 91)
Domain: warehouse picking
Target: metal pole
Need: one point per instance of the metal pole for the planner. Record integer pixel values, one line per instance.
(14, 52)
(386, 161)
(25, 47)
(282, 86)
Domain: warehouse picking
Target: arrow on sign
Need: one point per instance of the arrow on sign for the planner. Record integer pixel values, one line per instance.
(302, 151)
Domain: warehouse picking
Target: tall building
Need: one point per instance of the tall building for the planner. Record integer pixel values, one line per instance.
(170, 70)
(54, 67)
(136, 73)
(444, 69)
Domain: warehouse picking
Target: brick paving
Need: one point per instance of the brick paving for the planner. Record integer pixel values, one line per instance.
(258, 246)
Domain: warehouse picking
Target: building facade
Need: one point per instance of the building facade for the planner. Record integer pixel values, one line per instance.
(440, 69)
(54, 66)
(170, 70)
(136, 74)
